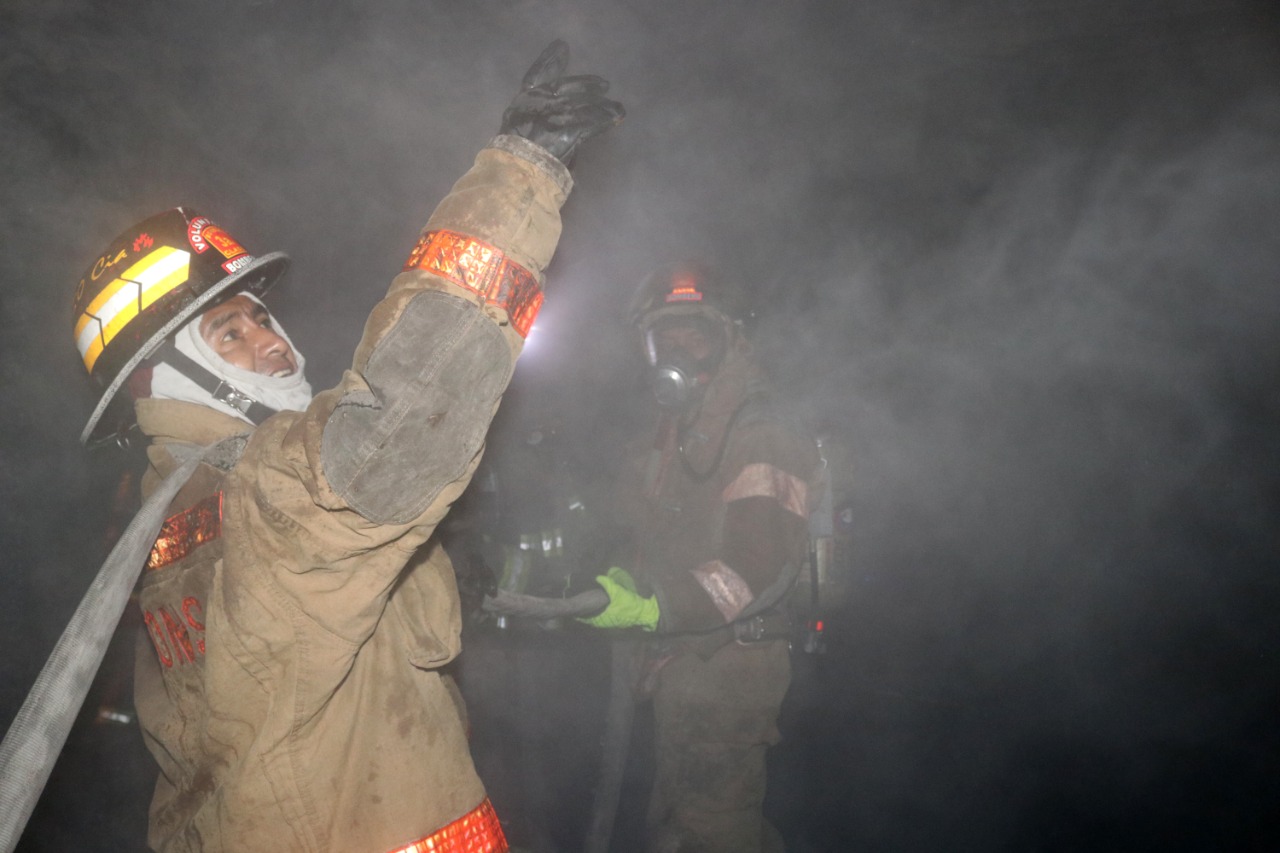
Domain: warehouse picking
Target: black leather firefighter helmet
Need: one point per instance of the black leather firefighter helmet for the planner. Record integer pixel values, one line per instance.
(150, 281)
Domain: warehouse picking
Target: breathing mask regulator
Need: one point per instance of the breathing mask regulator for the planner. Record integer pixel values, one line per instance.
(673, 382)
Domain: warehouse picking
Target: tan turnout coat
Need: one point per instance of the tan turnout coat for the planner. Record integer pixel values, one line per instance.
(290, 691)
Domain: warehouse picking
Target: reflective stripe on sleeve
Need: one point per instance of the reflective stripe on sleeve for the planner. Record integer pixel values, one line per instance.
(484, 270)
(729, 592)
(477, 831)
(761, 479)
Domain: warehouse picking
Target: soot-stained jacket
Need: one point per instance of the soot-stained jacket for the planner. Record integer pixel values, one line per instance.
(290, 691)
(716, 524)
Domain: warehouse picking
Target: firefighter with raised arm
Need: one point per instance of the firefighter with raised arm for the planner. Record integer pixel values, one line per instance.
(716, 501)
(288, 685)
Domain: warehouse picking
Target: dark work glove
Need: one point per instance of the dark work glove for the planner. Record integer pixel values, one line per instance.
(558, 112)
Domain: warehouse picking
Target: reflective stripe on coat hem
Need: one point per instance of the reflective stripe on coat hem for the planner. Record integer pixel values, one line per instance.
(477, 831)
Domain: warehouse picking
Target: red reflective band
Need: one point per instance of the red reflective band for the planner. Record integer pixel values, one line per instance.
(183, 533)
(477, 831)
(483, 269)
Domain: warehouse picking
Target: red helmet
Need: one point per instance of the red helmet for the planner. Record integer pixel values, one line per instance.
(150, 281)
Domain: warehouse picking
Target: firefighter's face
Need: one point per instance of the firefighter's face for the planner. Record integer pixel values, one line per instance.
(689, 340)
(240, 331)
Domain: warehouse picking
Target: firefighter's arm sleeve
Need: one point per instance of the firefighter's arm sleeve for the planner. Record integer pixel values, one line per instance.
(764, 530)
(346, 491)
(439, 350)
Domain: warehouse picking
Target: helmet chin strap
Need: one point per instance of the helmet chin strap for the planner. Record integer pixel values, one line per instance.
(215, 385)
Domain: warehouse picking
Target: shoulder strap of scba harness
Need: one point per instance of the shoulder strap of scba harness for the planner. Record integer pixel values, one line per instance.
(35, 738)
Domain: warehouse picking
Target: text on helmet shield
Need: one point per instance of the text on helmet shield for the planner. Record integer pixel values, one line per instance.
(195, 235)
(202, 233)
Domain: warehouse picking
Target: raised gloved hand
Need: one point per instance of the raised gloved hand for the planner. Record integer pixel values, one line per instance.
(627, 608)
(558, 112)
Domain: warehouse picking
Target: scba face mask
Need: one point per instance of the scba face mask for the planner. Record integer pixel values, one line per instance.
(684, 352)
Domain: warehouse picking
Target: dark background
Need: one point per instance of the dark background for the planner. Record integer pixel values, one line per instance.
(1019, 259)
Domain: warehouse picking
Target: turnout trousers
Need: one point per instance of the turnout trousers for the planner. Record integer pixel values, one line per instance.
(714, 720)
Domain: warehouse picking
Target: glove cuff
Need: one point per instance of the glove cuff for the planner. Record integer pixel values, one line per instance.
(533, 153)
(649, 613)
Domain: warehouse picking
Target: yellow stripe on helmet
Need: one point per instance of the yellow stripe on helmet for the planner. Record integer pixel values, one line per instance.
(126, 297)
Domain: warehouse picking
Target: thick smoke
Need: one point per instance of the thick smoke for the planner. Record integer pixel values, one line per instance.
(1018, 262)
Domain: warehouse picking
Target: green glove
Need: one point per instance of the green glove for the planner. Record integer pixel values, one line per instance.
(627, 608)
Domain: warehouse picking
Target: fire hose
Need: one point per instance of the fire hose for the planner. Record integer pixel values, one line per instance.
(35, 738)
(38, 733)
(507, 603)
(40, 730)
(621, 708)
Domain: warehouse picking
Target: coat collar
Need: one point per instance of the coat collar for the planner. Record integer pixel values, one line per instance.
(167, 422)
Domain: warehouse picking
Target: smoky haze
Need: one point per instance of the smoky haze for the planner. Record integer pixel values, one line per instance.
(1019, 261)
